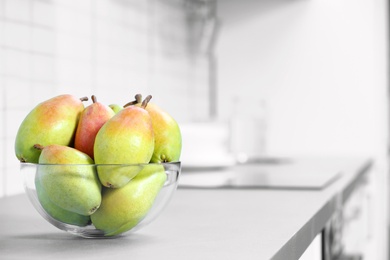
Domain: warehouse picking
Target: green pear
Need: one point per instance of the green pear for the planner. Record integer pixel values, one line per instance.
(127, 138)
(167, 134)
(69, 179)
(57, 212)
(115, 107)
(53, 121)
(123, 208)
(91, 120)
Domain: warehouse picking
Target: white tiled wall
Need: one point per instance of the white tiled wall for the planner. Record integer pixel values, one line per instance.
(110, 48)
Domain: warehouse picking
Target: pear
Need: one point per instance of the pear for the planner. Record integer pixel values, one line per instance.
(91, 120)
(123, 208)
(53, 121)
(69, 179)
(116, 107)
(57, 212)
(127, 138)
(167, 134)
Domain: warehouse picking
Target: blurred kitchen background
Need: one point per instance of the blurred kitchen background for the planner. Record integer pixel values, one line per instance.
(244, 79)
(257, 78)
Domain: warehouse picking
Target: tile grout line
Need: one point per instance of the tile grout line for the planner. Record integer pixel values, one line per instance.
(4, 147)
(3, 118)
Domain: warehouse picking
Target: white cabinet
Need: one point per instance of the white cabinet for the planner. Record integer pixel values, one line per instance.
(356, 228)
(314, 251)
(348, 234)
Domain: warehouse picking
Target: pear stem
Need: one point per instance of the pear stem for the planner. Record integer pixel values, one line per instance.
(138, 99)
(38, 146)
(94, 99)
(146, 101)
(84, 99)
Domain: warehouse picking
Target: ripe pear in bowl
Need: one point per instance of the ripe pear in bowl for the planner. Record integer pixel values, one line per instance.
(126, 138)
(115, 107)
(123, 208)
(91, 120)
(167, 134)
(53, 121)
(56, 212)
(74, 185)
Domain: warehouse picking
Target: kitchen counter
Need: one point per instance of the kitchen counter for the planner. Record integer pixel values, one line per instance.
(197, 224)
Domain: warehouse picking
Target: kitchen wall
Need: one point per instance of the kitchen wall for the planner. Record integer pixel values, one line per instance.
(110, 48)
(320, 67)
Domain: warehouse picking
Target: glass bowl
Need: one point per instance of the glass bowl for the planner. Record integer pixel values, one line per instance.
(72, 197)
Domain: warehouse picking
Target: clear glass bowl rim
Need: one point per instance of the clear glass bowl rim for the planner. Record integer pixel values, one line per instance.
(178, 163)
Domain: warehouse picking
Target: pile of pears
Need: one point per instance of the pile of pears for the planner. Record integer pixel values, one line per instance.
(98, 164)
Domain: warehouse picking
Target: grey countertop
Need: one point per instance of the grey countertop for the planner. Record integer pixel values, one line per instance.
(197, 224)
